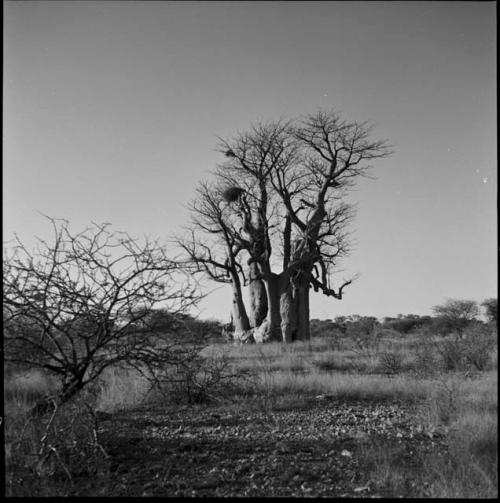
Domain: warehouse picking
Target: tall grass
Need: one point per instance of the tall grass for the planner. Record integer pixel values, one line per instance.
(121, 389)
(23, 389)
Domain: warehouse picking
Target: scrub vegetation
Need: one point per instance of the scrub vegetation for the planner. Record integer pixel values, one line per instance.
(332, 416)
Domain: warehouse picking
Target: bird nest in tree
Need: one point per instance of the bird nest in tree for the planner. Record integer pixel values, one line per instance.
(231, 194)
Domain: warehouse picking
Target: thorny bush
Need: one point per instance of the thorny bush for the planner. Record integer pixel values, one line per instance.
(471, 352)
(45, 455)
(201, 379)
(391, 362)
(83, 303)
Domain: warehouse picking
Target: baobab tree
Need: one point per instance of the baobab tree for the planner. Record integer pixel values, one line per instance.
(288, 219)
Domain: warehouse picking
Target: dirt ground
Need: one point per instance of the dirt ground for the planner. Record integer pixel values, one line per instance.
(315, 449)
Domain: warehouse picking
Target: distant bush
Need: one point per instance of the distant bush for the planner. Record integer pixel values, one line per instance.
(366, 334)
(473, 351)
(452, 354)
(478, 343)
(361, 324)
(426, 363)
(329, 330)
(407, 324)
(455, 315)
(332, 362)
(390, 333)
(491, 310)
(441, 326)
(391, 362)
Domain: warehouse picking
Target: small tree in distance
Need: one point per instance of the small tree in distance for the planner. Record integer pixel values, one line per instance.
(491, 310)
(457, 314)
(78, 305)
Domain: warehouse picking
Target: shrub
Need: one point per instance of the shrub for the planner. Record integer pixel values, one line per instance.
(473, 351)
(425, 363)
(491, 310)
(366, 335)
(455, 315)
(200, 380)
(478, 344)
(407, 324)
(46, 454)
(331, 362)
(391, 362)
(84, 303)
(452, 354)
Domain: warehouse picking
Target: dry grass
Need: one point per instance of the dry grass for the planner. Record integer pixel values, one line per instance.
(341, 385)
(121, 389)
(463, 404)
(466, 411)
(23, 389)
(46, 455)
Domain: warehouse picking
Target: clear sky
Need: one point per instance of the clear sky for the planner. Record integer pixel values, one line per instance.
(111, 112)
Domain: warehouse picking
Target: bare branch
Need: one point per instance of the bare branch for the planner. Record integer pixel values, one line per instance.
(72, 304)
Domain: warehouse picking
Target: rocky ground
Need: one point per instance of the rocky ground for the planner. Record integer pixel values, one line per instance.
(315, 449)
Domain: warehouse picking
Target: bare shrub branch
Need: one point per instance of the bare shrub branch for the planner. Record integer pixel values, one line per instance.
(82, 303)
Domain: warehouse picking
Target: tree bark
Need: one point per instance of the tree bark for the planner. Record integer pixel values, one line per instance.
(287, 310)
(301, 305)
(280, 323)
(258, 296)
(270, 329)
(71, 386)
(240, 317)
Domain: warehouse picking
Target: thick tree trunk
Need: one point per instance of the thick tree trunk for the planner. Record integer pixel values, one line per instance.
(287, 310)
(301, 305)
(240, 317)
(270, 329)
(280, 323)
(258, 297)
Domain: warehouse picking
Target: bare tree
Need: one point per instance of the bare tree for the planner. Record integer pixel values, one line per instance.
(80, 304)
(287, 216)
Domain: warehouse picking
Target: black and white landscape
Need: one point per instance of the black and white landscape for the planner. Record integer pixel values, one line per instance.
(250, 249)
